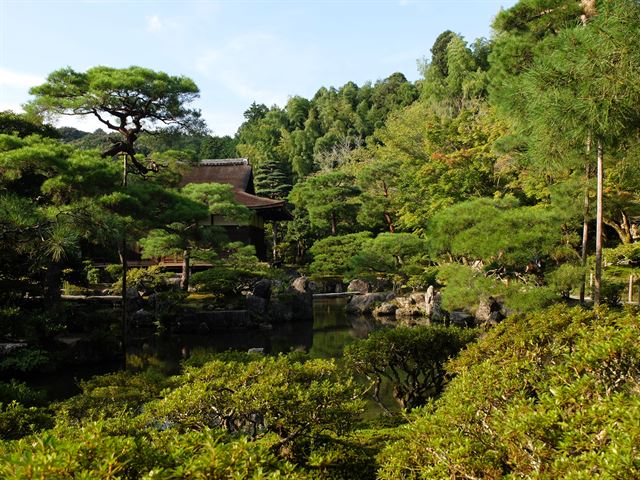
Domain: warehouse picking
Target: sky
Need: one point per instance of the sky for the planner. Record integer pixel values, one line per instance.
(237, 52)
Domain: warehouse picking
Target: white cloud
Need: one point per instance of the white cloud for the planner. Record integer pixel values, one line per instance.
(13, 79)
(154, 24)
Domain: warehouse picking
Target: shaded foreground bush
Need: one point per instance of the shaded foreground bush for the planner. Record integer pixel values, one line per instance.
(237, 416)
(410, 359)
(555, 394)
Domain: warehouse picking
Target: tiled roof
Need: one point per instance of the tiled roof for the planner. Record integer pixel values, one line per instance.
(238, 173)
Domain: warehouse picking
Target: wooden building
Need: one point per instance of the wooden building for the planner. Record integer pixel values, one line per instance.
(238, 173)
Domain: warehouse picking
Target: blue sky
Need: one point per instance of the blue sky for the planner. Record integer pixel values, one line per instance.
(236, 51)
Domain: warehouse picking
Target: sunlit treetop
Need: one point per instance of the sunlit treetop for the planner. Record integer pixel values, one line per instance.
(126, 100)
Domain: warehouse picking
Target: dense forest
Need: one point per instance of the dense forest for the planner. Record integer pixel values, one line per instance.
(509, 173)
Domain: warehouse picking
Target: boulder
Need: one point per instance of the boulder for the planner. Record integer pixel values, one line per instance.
(489, 312)
(294, 303)
(462, 319)
(410, 311)
(262, 288)
(433, 306)
(365, 303)
(385, 310)
(256, 304)
(359, 286)
(142, 318)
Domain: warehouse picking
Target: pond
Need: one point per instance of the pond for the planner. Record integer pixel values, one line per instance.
(324, 337)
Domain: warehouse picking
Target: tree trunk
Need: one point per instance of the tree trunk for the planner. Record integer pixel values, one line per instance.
(623, 228)
(334, 227)
(274, 248)
(123, 260)
(52, 283)
(186, 271)
(585, 229)
(600, 177)
(387, 216)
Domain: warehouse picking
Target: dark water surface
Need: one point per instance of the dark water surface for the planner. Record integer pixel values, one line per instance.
(324, 337)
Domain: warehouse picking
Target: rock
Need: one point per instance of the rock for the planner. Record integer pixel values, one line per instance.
(462, 319)
(433, 306)
(256, 350)
(365, 303)
(419, 299)
(142, 318)
(405, 302)
(256, 304)
(301, 284)
(132, 294)
(262, 289)
(294, 303)
(489, 312)
(385, 310)
(359, 286)
(410, 311)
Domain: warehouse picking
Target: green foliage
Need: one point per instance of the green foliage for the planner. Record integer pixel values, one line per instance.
(551, 394)
(147, 280)
(27, 359)
(21, 393)
(330, 198)
(411, 359)
(17, 421)
(128, 101)
(232, 273)
(22, 126)
(295, 400)
(332, 256)
(110, 395)
(566, 278)
(501, 233)
(94, 453)
(391, 255)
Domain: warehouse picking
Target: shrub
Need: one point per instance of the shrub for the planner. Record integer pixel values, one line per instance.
(566, 278)
(548, 395)
(148, 280)
(296, 400)
(17, 420)
(411, 359)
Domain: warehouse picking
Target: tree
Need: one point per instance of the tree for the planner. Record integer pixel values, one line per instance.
(130, 101)
(330, 199)
(187, 233)
(411, 359)
(583, 92)
(19, 124)
(218, 147)
(394, 255)
(332, 256)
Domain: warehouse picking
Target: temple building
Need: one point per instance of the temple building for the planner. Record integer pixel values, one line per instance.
(238, 173)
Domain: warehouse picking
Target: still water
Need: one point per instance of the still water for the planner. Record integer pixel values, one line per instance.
(324, 337)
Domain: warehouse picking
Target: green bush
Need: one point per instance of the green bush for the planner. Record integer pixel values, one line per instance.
(611, 291)
(92, 452)
(296, 400)
(411, 359)
(224, 280)
(17, 420)
(21, 393)
(109, 395)
(547, 395)
(148, 280)
(566, 279)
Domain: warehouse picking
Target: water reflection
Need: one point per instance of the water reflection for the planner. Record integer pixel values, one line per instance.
(325, 337)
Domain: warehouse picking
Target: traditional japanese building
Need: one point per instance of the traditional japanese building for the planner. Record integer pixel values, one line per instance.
(238, 173)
